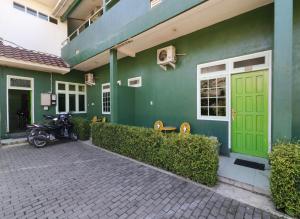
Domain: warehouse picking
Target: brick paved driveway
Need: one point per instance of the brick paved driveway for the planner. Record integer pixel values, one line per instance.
(74, 180)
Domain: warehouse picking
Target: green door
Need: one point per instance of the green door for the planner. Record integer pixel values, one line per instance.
(249, 103)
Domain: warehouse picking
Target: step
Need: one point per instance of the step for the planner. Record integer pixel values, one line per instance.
(13, 141)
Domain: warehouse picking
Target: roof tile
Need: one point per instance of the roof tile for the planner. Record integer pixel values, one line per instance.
(31, 56)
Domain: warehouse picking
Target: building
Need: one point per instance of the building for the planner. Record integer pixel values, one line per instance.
(230, 68)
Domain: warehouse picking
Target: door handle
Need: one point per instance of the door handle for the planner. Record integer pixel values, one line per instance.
(233, 114)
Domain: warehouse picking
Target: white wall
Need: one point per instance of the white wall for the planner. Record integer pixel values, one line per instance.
(29, 31)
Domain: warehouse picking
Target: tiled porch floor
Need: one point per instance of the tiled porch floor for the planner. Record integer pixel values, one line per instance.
(256, 180)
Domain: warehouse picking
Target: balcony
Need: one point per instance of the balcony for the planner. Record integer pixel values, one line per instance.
(125, 19)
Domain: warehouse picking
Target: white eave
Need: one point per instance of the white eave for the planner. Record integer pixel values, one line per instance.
(32, 66)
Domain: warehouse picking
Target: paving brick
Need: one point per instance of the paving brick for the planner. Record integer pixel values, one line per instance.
(73, 180)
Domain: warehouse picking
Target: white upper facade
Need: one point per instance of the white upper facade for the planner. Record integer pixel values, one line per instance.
(30, 31)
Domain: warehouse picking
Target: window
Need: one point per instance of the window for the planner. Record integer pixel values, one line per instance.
(213, 97)
(43, 16)
(31, 11)
(106, 98)
(212, 92)
(19, 7)
(71, 97)
(249, 62)
(52, 20)
(34, 13)
(21, 83)
(135, 82)
(154, 3)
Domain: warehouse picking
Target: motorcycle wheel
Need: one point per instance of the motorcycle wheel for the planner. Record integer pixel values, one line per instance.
(39, 143)
(73, 136)
(30, 136)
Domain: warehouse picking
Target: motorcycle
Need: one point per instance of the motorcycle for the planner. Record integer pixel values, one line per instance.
(55, 128)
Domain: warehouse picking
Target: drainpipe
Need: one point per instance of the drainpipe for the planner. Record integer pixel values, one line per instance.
(104, 5)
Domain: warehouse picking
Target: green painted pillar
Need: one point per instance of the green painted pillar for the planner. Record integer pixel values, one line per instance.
(113, 86)
(282, 70)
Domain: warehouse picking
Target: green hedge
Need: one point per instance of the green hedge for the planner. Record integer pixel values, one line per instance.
(285, 177)
(192, 156)
(82, 128)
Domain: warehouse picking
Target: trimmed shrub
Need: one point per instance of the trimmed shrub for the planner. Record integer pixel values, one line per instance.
(82, 128)
(285, 177)
(191, 156)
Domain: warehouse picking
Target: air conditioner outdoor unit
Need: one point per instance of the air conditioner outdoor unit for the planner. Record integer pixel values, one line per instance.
(89, 79)
(166, 56)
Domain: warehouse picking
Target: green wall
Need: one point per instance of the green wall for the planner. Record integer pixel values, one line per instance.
(42, 84)
(296, 76)
(174, 92)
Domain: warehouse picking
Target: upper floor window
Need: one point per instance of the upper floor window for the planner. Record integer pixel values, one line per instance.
(154, 3)
(34, 12)
(19, 6)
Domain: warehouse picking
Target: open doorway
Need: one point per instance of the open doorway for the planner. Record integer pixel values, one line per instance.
(19, 109)
(20, 103)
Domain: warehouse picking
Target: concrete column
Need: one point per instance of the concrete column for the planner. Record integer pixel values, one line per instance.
(113, 86)
(282, 70)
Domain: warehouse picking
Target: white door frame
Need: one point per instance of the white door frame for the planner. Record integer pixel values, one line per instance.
(230, 70)
(9, 87)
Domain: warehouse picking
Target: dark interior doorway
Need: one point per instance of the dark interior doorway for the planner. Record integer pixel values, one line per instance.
(19, 110)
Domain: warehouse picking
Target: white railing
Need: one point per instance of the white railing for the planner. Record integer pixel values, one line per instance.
(83, 26)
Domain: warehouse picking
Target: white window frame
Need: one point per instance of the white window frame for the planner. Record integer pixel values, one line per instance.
(9, 87)
(67, 92)
(208, 76)
(106, 90)
(134, 79)
(230, 70)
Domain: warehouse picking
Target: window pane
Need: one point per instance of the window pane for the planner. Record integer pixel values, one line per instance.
(221, 92)
(221, 102)
(213, 92)
(19, 6)
(212, 111)
(212, 101)
(81, 103)
(61, 87)
(72, 87)
(61, 103)
(221, 82)
(52, 20)
(204, 111)
(72, 102)
(43, 16)
(16, 82)
(249, 62)
(204, 84)
(212, 83)
(31, 11)
(204, 102)
(214, 68)
(204, 93)
(221, 111)
(81, 88)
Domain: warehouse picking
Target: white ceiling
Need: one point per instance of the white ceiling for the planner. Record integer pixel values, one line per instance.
(48, 3)
(83, 11)
(204, 15)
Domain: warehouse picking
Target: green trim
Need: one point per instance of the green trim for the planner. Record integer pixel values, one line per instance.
(71, 8)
